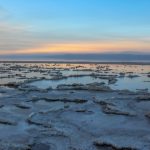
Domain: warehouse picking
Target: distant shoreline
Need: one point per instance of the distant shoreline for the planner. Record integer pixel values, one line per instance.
(76, 62)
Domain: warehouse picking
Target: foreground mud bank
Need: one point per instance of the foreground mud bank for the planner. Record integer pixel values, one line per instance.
(90, 115)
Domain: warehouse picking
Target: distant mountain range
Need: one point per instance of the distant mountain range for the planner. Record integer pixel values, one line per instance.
(123, 57)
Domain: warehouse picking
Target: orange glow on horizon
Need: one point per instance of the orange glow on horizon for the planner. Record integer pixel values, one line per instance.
(87, 47)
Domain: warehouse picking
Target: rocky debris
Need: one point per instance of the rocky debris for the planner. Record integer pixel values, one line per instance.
(7, 122)
(84, 111)
(29, 88)
(79, 75)
(70, 119)
(126, 92)
(23, 105)
(110, 108)
(90, 87)
(98, 87)
(39, 119)
(138, 92)
(8, 119)
(112, 80)
(143, 98)
(121, 75)
(104, 145)
(148, 115)
(103, 103)
(70, 87)
(65, 100)
(132, 76)
(11, 85)
(58, 77)
(51, 110)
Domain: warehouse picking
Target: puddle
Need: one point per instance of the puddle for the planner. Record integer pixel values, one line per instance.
(22, 72)
(132, 84)
(121, 84)
(43, 84)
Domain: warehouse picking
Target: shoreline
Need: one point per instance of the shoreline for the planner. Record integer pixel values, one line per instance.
(77, 62)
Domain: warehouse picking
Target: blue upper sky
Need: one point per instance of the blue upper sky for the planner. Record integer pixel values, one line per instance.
(48, 25)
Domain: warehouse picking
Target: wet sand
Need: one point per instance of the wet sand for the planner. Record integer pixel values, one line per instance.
(52, 106)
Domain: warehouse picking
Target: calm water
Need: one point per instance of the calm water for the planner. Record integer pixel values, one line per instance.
(54, 83)
(141, 82)
(132, 84)
(121, 84)
(8, 73)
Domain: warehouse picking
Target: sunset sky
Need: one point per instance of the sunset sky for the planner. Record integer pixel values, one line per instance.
(74, 26)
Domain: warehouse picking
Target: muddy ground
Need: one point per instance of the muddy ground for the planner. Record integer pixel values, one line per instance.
(90, 115)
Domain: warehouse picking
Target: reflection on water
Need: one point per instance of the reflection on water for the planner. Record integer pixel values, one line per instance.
(71, 80)
(132, 84)
(20, 72)
(122, 83)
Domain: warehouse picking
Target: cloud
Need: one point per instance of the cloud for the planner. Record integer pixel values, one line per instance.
(14, 37)
(24, 38)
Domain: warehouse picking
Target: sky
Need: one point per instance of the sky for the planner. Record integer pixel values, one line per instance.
(74, 26)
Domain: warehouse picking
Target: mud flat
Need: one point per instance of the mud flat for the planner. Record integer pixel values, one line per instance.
(50, 106)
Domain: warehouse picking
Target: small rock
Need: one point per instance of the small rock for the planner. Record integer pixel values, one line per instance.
(106, 145)
(23, 106)
(143, 98)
